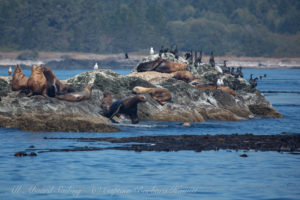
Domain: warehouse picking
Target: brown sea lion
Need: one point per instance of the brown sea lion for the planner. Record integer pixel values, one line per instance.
(160, 95)
(37, 83)
(226, 89)
(106, 102)
(168, 66)
(127, 107)
(54, 86)
(212, 87)
(19, 80)
(185, 76)
(148, 66)
(77, 96)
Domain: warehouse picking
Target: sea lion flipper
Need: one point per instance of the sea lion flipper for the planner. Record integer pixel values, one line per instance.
(30, 93)
(116, 112)
(45, 93)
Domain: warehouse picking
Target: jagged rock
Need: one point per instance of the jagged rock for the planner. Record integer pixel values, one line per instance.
(4, 85)
(188, 104)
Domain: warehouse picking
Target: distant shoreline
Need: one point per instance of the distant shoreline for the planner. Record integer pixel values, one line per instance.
(113, 60)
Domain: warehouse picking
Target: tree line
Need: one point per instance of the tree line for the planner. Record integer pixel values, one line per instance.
(229, 27)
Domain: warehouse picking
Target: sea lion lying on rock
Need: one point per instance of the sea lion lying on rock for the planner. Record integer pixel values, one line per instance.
(77, 96)
(19, 80)
(212, 87)
(126, 106)
(37, 83)
(54, 86)
(161, 65)
(148, 66)
(160, 95)
(185, 76)
(168, 66)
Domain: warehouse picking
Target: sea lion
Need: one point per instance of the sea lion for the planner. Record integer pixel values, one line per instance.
(149, 66)
(167, 66)
(226, 89)
(19, 80)
(185, 76)
(77, 96)
(106, 102)
(162, 96)
(212, 87)
(126, 106)
(54, 86)
(37, 83)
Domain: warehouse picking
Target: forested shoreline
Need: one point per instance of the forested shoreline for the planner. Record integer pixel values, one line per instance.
(231, 27)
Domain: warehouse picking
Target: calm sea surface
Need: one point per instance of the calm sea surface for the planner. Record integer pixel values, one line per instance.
(113, 174)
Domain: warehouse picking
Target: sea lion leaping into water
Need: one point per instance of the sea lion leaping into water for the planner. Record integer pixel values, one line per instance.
(126, 106)
(37, 83)
(77, 96)
(19, 80)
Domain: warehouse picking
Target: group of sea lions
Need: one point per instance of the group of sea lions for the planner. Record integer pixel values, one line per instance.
(180, 72)
(43, 81)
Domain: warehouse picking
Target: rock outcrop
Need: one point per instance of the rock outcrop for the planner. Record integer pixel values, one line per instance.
(188, 104)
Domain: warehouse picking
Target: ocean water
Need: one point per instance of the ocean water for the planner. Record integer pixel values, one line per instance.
(113, 174)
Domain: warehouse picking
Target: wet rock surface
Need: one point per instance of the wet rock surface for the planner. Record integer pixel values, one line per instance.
(198, 143)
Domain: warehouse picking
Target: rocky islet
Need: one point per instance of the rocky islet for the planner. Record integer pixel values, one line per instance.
(188, 103)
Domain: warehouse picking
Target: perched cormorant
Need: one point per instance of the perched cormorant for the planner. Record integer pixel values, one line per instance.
(161, 51)
(225, 68)
(239, 72)
(253, 82)
(212, 59)
(232, 72)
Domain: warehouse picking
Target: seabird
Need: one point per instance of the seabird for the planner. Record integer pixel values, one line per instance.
(220, 82)
(151, 51)
(96, 66)
(218, 68)
(9, 71)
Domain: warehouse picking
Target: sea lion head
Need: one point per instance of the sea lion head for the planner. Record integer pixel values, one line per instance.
(48, 72)
(137, 89)
(141, 98)
(18, 69)
(38, 68)
(106, 93)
